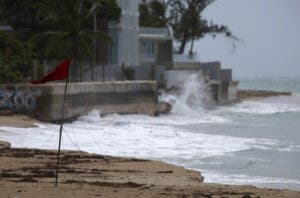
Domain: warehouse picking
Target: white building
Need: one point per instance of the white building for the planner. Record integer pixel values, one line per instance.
(135, 46)
(125, 34)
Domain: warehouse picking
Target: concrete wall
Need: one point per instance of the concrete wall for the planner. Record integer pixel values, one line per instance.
(212, 69)
(177, 78)
(45, 101)
(226, 75)
(228, 92)
(233, 91)
(186, 66)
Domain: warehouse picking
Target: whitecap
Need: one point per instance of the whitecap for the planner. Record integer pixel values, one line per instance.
(269, 182)
(254, 107)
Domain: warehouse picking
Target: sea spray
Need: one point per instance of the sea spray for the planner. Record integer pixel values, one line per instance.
(192, 96)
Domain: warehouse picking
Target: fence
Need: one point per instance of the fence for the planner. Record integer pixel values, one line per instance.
(107, 72)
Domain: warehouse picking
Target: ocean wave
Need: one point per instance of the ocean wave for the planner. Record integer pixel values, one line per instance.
(227, 178)
(138, 136)
(171, 119)
(253, 107)
(273, 145)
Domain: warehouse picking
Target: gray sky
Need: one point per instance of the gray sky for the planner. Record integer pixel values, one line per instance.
(270, 29)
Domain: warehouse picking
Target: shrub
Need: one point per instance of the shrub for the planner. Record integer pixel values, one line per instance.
(16, 59)
(129, 73)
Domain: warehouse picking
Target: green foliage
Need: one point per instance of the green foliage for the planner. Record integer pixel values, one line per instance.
(7, 75)
(57, 29)
(71, 30)
(152, 14)
(184, 17)
(188, 25)
(129, 73)
(22, 15)
(15, 59)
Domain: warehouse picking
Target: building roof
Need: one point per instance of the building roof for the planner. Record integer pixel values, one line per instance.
(155, 33)
(5, 28)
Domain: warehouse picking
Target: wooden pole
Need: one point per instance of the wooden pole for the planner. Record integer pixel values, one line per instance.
(60, 131)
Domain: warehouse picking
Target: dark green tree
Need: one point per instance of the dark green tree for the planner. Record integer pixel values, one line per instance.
(71, 30)
(16, 59)
(22, 15)
(152, 14)
(57, 29)
(188, 25)
(184, 17)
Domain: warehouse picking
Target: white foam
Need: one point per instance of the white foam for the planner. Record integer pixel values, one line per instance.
(192, 98)
(139, 136)
(190, 104)
(227, 178)
(253, 107)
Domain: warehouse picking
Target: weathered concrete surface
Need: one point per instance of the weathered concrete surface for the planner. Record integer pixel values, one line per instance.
(228, 92)
(246, 94)
(233, 91)
(212, 69)
(177, 78)
(151, 109)
(45, 101)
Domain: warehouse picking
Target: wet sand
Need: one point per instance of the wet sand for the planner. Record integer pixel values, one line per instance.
(17, 120)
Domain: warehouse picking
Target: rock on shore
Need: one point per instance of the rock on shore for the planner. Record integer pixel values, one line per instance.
(4, 145)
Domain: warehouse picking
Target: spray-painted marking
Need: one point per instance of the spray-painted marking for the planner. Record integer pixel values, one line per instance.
(19, 101)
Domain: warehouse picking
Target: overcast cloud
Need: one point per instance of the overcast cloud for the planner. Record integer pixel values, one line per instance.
(270, 29)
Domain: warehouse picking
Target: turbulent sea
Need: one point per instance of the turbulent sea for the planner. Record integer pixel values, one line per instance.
(252, 142)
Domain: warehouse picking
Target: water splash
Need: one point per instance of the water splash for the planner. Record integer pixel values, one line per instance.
(193, 96)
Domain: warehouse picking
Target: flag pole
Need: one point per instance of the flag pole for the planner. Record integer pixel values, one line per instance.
(60, 131)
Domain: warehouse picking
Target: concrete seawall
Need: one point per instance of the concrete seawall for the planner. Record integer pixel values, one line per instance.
(44, 102)
(246, 94)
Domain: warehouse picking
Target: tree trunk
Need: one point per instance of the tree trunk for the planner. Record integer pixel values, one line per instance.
(182, 46)
(192, 47)
(75, 69)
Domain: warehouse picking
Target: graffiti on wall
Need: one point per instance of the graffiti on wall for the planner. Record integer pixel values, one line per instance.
(17, 100)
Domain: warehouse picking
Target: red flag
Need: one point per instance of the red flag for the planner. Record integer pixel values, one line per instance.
(61, 72)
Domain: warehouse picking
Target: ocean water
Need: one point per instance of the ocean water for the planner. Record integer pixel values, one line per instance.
(252, 142)
(271, 83)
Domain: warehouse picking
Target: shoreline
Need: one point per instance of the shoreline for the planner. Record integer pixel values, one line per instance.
(31, 173)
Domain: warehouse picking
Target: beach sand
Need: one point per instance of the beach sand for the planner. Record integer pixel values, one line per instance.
(31, 173)
(17, 120)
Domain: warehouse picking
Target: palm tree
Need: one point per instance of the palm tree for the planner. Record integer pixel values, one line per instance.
(69, 30)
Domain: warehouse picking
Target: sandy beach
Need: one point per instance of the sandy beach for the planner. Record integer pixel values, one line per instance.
(31, 173)
(17, 120)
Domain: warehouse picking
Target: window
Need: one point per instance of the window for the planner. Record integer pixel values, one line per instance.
(150, 49)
